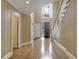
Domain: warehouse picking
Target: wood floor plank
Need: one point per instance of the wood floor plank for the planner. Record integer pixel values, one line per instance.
(39, 49)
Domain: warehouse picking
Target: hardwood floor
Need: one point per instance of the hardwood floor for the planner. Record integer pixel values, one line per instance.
(39, 49)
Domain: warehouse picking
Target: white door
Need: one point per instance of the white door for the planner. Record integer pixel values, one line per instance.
(14, 31)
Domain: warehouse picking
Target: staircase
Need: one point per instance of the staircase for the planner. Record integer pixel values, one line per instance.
(55, 31)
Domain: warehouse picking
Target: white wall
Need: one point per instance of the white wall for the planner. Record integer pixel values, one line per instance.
(36, 30)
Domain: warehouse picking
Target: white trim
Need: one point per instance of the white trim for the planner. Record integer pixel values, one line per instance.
(25, 44)
(64, 50)
(32, 26)
(8, 55)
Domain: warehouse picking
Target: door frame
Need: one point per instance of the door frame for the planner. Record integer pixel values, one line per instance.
(46, 20)
(14, 13)
(32, 26)
(45, 31)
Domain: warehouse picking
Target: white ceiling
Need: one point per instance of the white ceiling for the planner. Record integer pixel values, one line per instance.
(28, 9)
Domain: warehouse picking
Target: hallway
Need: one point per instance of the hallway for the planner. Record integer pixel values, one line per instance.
(24, 22)
(39, 49)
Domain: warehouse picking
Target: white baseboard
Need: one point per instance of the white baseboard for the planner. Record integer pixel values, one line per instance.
(8, 55)
(64, 50)
(25, 44)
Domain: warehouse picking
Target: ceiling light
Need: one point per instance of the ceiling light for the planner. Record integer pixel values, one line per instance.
(27, 2)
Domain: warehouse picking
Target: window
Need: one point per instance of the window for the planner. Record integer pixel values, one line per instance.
(47, 11)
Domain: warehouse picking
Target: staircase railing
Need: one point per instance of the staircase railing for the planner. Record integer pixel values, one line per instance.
(57, 19)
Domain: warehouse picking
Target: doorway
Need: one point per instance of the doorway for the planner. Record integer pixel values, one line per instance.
(47, 29)
(15, 31)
